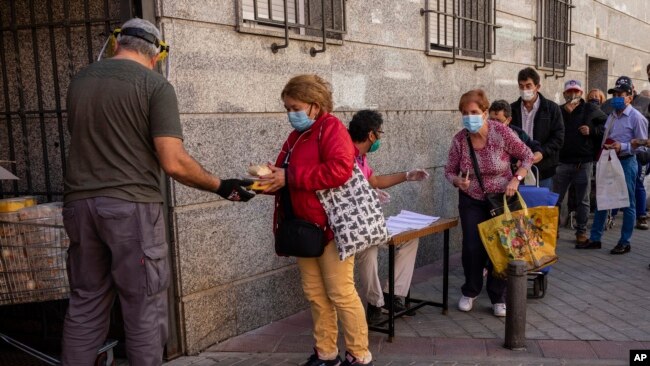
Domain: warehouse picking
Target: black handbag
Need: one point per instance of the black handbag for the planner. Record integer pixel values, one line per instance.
(295, 237)
(494, 200)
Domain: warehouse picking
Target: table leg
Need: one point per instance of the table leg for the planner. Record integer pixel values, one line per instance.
(445, 273)
(391, 292)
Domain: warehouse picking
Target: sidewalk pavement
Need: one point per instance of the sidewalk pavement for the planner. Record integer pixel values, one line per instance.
(596, 309)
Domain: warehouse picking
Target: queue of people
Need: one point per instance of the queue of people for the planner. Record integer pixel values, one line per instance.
(125, 128)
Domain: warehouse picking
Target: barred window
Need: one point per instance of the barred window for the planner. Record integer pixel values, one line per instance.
(554, 34)
(461, 27)
(305, 17)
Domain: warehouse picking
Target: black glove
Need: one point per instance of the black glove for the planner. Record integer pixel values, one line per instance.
(231, 189)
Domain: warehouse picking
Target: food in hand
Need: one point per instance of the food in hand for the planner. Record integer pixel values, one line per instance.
(259, 170)
(258, 186)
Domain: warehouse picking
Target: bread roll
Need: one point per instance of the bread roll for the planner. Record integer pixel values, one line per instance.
(259, 170)
(258, 186)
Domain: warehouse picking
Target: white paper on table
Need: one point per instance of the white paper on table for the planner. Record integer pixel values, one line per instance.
(417, 216)
(398, 223)
(408, 220)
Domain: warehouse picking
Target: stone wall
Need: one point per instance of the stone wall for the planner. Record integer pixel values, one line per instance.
(228, 84)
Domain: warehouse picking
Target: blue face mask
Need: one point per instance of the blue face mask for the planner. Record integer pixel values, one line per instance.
(473, 122)
(300, 120)
(375, 146)
(618, 103)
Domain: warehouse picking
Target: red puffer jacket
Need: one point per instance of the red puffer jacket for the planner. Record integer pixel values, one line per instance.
(323, 157)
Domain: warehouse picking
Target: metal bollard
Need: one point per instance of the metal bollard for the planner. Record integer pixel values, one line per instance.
(516, 307)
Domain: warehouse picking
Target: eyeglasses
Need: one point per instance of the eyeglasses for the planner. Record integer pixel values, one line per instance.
(380, 131)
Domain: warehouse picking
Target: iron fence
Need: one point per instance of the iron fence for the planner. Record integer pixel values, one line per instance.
(42, 45)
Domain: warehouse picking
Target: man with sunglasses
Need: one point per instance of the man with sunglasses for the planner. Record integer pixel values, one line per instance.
(125, 126)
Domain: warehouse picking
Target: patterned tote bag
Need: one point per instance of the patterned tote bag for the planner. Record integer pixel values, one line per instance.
(529, 234)
(354, 215)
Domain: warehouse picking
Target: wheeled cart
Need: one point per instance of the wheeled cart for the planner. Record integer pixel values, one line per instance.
(33, 250)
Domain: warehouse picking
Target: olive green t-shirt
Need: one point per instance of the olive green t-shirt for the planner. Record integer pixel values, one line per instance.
(115, 109)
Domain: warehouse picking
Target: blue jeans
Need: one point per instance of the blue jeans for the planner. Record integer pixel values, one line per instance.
(577, 175)
(640, 192)
(630, 168)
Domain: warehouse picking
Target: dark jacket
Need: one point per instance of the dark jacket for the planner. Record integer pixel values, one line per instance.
(548, 129)
(577, 147)
(533, 145)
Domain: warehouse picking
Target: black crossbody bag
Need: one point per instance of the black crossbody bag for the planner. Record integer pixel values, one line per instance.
(295, 237)
(494, 200)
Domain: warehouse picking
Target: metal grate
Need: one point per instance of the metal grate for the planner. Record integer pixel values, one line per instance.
(554, 35)
(324, 18)
(33, 249)
(461, 28)
(42, 45)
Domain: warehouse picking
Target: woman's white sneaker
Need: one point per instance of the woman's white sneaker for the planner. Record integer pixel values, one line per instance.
(499, 309)
(465, 303)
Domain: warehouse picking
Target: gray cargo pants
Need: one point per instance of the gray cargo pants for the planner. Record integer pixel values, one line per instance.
(118, 248)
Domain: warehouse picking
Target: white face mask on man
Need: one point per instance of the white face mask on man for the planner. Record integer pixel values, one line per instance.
(527, 95)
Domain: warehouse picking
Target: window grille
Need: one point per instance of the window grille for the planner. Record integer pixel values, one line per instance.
(554, 35)
(318, 18)
(461, 28)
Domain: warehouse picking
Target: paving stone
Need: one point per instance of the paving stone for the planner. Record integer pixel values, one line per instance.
(411, 346)
(592, 295)
(563, 349)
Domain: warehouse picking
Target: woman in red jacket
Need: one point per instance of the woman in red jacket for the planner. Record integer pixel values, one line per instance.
(322, 157)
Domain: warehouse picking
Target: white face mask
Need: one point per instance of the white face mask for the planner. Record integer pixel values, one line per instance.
(527, 95)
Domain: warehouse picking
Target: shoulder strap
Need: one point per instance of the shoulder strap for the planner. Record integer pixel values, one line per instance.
(472, 154)
(285, 196)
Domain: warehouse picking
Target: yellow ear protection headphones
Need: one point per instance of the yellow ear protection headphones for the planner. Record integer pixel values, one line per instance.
(143, 35)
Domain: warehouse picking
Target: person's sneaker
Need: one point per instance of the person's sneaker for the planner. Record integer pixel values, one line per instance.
(398, 303)
(620, 249)
(589, 245)
(373, 315)
(642, 223)
(315, 361)
(499, 309)
(581, 239)
(351, 360)
(465, 303)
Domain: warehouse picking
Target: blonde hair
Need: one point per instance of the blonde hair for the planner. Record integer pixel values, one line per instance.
(310, 88)
(599, 94)
(474, 96)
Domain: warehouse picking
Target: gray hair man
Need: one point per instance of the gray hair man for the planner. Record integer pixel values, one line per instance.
(125, 127)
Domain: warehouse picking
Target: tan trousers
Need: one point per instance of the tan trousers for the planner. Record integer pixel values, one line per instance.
(370, 287)
(328, 284)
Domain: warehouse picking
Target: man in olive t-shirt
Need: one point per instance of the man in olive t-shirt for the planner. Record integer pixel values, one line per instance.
(124, 127)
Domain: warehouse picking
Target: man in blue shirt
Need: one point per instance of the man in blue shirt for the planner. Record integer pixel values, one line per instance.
(623, 124)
